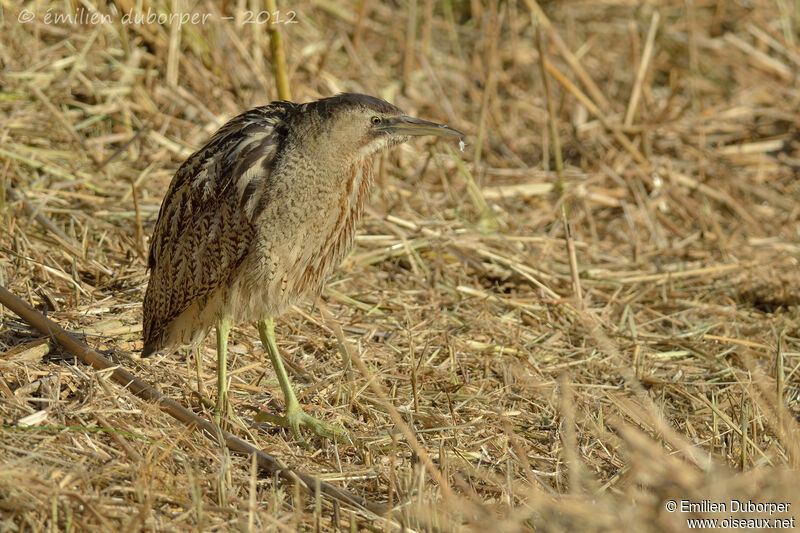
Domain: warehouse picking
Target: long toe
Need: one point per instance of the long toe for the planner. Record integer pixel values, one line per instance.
(296, 418)
(322, 428)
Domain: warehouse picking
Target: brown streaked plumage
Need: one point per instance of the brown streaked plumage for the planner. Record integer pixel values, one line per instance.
(261, 215)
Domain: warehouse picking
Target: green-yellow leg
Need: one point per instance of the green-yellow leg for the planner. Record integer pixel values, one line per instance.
(198, 361)
(294, 413)
(223, 329)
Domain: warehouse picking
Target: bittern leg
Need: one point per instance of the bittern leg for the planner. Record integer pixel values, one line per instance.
(198, 361)
(223, 329)
(294, 413)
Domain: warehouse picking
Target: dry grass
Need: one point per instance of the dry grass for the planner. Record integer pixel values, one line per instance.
(674, 375)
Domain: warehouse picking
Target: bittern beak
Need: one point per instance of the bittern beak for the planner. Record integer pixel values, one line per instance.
(405, 125)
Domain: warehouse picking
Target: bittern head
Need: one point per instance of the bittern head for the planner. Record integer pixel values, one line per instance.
(365, 124)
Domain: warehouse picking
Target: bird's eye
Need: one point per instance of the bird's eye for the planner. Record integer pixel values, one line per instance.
(376, 120)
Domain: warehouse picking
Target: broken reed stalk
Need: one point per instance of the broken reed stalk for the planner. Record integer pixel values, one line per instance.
(551, 116)
(358, 27)
(780, 378)
(557, 158)
(267, 463)
(410, 40)
(745, 423)
(569, 431)
(490, 60)
(573, 258)
(278, 56)
(636, 94)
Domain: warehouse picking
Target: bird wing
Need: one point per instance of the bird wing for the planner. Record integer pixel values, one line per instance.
(206, 221)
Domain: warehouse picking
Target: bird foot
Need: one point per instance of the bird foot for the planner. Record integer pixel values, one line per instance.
(223, 416)
(294, 418)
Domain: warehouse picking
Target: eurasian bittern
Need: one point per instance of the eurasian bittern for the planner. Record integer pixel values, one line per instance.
(259, 217)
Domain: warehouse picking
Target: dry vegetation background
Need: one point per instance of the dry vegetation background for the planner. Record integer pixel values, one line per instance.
(547, 390)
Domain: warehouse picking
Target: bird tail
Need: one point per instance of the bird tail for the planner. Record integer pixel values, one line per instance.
(149, 349)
